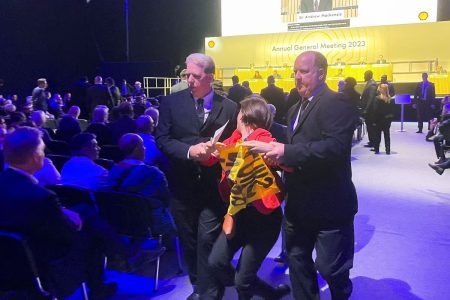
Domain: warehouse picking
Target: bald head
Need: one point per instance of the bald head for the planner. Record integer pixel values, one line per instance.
(132, 146)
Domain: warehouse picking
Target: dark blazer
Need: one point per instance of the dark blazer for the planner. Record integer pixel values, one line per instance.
(321, 189)
(179, 128)
(275, 96)
(102, 132)
(98, 94)
(237, 93)
(308, 6)
(68, 127)
(424, 111)
(34, 211)
(124, 124)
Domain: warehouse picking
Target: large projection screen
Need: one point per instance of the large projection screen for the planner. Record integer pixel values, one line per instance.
(247, 17)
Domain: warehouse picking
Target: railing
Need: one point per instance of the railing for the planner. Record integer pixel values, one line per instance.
(162, 84)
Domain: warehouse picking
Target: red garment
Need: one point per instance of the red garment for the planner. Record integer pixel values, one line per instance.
(267, 204)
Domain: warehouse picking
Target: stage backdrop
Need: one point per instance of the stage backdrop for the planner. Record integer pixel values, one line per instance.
(425, 44)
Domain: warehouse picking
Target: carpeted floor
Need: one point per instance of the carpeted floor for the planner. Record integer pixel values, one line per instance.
(402, 231)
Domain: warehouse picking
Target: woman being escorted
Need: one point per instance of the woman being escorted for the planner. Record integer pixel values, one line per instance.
(256, 227)
(383, 118)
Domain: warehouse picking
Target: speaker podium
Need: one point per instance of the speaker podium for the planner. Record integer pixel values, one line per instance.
(402, 99)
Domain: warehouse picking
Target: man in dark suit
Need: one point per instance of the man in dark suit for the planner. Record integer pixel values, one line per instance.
(188, 119)
(237, 92)
(307, 6)
(368, 104)
(98, 94)
(424, 97)
(274, 95)
(53, 232)
(321, 198)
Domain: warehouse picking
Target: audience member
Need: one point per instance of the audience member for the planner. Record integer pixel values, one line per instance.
(132, 175)
(237, 92)
(246, 84)
(113, 91)
(81, 170)
(39, 99)
(125, 123)
(275, 95)
(153, 112)
(50, 228)
(182, 85)
(424, 97)
(79, 96)
(368, 101)
(99, 125)
(68, 125)
(153, 156)
(383, 115)
(55, 106)
(278, 131)
(138, 90)
(98, 94)
(351, 94)
(391, 88)
(39, 118)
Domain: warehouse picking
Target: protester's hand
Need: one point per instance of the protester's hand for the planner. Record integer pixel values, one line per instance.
(258, 147)
(74, 218)
(276, 153)
(199, 152)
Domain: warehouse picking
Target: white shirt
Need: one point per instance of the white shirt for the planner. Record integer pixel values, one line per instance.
(83, 172)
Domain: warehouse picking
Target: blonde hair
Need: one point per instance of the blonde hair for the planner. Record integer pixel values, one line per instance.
(384, 93)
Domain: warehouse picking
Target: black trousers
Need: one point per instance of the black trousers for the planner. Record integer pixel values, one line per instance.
(334, 247)
(382, 127)
(256, 234)
(199, 224)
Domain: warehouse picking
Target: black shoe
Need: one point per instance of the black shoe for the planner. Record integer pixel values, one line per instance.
(103, 292)
(388, 152)
(372, 149)
(419, 131)
(368, 145)
(193, 296)
(438, 169)
(281, 291)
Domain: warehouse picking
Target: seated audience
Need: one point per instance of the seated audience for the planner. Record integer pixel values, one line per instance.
(153, 112)
(81, 170)
(139, 106)
(99, 125)
(48, 174)
(132, 175)
(441, 167)
(68, 125)
(145, 128)
(54, 232)
(39, 118)
(125, 123)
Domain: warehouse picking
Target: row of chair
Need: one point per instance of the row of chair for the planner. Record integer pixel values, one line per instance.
(129, 214)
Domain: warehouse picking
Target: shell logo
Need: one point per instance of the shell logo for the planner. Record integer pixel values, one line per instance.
(423, 15)
(211, 44)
